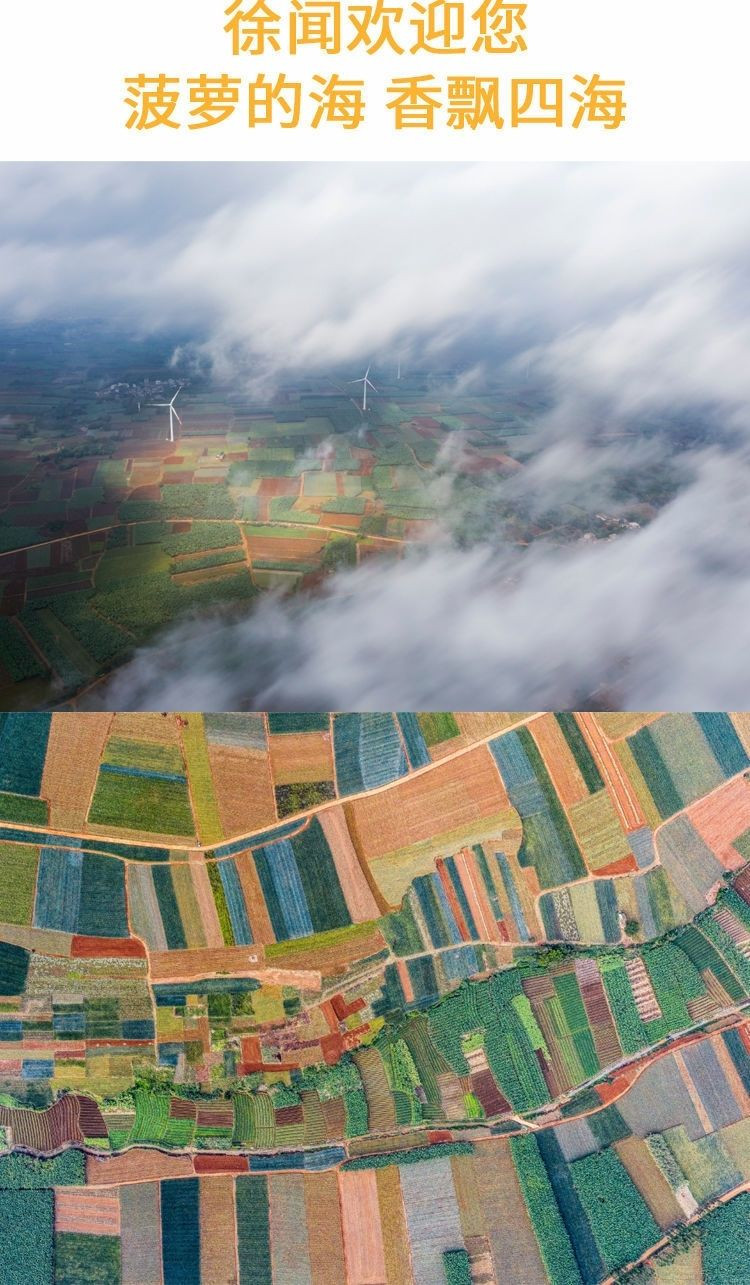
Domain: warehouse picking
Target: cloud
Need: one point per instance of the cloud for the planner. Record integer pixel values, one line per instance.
(625, 284)
(683, 346)
(655, 619)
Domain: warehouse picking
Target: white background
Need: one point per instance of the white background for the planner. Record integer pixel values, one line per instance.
(63, 62)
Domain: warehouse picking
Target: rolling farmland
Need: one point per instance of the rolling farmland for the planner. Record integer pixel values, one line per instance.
(109, 531)
(472, 989)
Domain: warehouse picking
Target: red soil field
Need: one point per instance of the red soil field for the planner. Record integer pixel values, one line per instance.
(366, 462)
(349, 520)
(722, 817)
(220, 1164)
(624, 866)
(107, 948)
(610, 1092)
(279, 548)
(273, 487)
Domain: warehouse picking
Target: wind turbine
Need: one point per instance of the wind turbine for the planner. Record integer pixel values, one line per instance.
(366, 383)
(172, 413)
(398, 372)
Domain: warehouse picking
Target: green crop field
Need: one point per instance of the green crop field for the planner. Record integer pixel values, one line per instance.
(142, 803)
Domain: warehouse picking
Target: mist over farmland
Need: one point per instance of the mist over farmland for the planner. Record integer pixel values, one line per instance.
(603, 560)
(641, 621)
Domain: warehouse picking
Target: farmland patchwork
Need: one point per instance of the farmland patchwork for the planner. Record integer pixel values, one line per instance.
(374, 997)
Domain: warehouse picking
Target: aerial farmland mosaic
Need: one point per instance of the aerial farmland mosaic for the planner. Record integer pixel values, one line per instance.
(365, 436)
(132, 497)
(311, 997)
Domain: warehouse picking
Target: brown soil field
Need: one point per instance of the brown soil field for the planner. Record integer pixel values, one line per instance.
(722, 817)
(559, 761)
(351, 521)
(149, 492)
(244, 789)
(255, 902)
(477, 896)
(145, 727)
(373, 547)
(622, 723)
(619, 787)
(279, 548)
(140, 1164)
(270, 488)
(325, 1238)
(450, 795)
(742, 727)
(75, 746)
(173, 965)
(87, 1211)
(516, 1257)
(188, 905)
(148, 837)
(301, 756)
(393, 1224)
(359, 899)
(649, 1180)
(204, 898)
(218, 1230)
(363, 1237)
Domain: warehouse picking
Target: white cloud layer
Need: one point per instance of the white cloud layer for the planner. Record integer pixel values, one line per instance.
(626, 283)
(657, 619)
